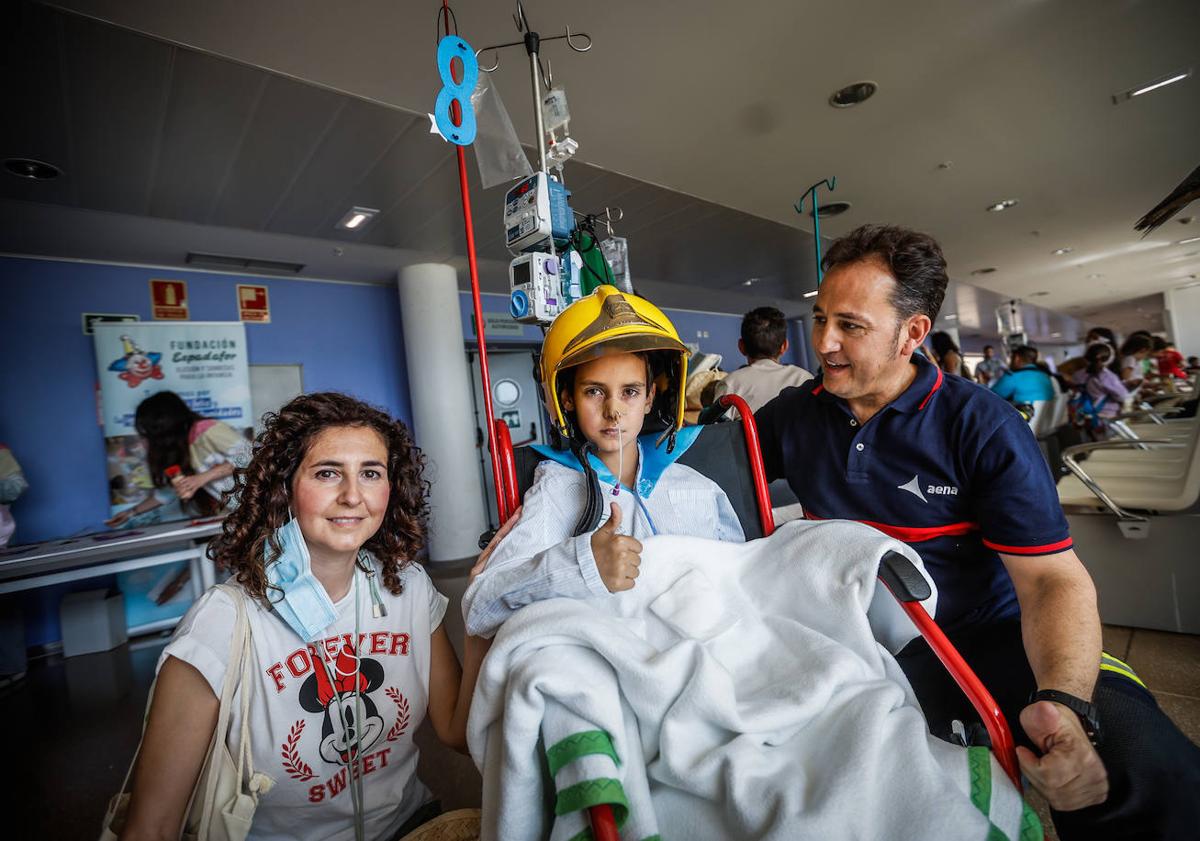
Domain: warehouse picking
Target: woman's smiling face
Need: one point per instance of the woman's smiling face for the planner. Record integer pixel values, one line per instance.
(340, 491)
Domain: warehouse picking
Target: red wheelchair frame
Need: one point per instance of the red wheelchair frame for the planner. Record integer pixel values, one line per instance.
(604, 827)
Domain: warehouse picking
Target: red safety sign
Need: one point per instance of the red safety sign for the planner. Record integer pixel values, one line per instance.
(253, 304)
(168, 300)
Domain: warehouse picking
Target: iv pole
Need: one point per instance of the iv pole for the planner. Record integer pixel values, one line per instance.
(532, 43)
(829, 183)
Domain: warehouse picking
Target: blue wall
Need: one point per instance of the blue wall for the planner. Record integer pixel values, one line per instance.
(347, 337)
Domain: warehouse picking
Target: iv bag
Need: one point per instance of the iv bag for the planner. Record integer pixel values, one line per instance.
(498, 152)
(555, 113)
(616, 251)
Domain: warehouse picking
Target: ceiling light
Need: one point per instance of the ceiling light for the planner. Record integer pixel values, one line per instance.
(812, 294)
(356, 218)
(750, 281)
(1058, 252)
(952, 316)
(1189, 239)
(1056, 335)
(853, 94)
(1038, 294)
(985, 270)
(31, 169)
(1161, 82)
(1095, 276)
(1003, 204)
(834, 208)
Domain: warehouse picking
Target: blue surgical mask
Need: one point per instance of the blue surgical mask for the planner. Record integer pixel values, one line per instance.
(304, 606)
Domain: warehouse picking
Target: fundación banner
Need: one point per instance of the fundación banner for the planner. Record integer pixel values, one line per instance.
(203, 362)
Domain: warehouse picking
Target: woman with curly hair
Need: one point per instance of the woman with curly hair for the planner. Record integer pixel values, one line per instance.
(343, 670)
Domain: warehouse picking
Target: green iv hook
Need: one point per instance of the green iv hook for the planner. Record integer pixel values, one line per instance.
(829, 183)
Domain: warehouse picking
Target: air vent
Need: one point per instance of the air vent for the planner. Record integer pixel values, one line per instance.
(227, 262)
(32, 169)
(852, 95)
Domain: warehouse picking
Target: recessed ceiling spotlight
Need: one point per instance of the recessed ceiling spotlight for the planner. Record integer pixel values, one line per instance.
(945, 164)
(852, 95)
(812, 294)
(356, 218)
(1058, 252)
(834, 208)
(750, 281)
(1187, 220)
(1003, 204)
(31, 169)
(1189, 239)
(985, 270)
(1155, 84)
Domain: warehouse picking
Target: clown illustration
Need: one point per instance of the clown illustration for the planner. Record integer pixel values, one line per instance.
(342, 734)
(137, 365)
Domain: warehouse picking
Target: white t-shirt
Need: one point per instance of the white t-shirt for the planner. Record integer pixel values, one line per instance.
(293, 708)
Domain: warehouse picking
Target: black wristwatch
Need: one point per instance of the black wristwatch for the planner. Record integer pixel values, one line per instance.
(1084, 709)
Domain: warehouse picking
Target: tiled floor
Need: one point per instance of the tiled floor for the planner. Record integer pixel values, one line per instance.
(80, 719)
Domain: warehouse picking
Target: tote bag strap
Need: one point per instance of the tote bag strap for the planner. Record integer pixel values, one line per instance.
(234, 673)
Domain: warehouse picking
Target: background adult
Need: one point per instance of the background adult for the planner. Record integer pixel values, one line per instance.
(202, 453)
(991, 368)
(948, 356)
(763, 342)
(1026, 382)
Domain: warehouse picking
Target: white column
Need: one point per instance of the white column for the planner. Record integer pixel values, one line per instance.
(1183, 319)
(443, 418)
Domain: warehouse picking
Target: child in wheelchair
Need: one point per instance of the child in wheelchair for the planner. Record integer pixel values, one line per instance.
(610, 364)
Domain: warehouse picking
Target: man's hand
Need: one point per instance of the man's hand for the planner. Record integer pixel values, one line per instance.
(1069, 773)
(617, 556)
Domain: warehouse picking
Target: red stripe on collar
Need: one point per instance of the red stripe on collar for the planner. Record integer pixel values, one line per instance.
(818, 389)
(936, 385)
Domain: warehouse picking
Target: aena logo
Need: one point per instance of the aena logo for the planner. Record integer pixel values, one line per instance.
(913, 486)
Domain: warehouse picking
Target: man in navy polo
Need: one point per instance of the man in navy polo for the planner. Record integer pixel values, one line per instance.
(885, 438)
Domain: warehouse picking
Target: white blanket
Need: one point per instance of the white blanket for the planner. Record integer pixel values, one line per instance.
(736, 692)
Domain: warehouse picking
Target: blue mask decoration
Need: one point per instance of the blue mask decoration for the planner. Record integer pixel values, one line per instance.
(304, 606)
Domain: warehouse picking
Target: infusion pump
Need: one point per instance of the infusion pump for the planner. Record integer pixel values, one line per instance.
(537, 296)
(535, 210)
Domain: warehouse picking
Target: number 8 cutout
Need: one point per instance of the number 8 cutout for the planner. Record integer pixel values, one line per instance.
(450, 48)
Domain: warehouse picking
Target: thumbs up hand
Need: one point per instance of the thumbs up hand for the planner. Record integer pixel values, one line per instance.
(617, 556)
